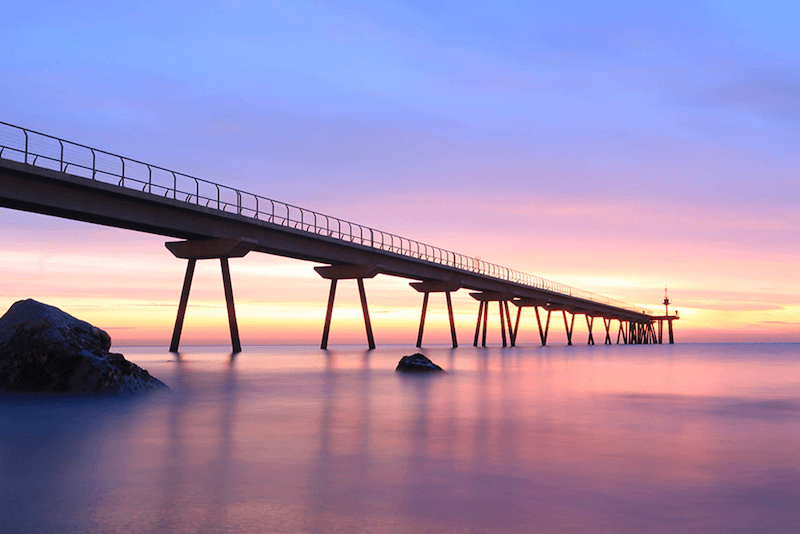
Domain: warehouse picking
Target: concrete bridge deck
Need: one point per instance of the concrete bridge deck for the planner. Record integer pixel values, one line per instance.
(51, 176)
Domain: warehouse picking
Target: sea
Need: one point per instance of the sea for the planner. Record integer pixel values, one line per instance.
(684, 438)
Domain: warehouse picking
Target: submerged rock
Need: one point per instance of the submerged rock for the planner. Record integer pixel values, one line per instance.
(417, 363)
(45, 350)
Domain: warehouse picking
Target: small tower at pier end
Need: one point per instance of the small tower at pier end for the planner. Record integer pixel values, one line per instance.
(666, 317)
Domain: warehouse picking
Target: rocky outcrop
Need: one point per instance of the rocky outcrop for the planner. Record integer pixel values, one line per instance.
(417, 363)
(44, 350)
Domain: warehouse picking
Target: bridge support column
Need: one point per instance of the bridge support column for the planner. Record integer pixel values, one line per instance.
(668, 319)
(226, 284)
(222, 249)
(500, 304)
(478, 325)
(334, 273)
(569, 326)
(590, 323)
(512, 336)
(187, 285)
(543, 333)
(435, 286)
(527, 302)
(483, 315)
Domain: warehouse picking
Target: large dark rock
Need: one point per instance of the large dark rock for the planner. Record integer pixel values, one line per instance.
(417, 363)
(44, 350)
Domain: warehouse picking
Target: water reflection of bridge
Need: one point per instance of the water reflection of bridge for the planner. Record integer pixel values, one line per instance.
(43, 174)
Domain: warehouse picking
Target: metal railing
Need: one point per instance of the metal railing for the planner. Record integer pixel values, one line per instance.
(42, 150)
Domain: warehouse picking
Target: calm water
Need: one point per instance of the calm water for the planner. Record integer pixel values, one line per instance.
(674, 439)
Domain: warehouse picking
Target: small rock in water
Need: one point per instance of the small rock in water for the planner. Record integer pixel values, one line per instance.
(417, 363)
(44, 350)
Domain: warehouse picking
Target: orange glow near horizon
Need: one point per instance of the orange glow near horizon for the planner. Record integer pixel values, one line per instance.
(129, 284)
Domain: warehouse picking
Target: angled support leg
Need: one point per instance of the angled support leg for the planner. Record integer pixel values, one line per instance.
(422, 318)
(502, 322)
(226, 282)
(206, 249)
(478, 325)
(543, 332)
(590, 323)
(187, 285)
(327, 328)
(569, 327)
(363, 294)
(452, 320)
(607, 324)
(511, 337)
(485, 322)
(516, 325)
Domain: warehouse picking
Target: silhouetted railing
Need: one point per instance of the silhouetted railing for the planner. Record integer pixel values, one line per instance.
(46, 151)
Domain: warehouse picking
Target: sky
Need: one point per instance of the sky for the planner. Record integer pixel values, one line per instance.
(619, 148)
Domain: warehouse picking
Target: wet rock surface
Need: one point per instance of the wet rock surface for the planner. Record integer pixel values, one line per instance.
(417, 363)
(45, 350)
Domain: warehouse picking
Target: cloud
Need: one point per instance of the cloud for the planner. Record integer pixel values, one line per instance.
(762, 89)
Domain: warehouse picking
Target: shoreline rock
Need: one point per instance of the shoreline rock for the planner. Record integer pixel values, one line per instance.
(417, 363)
(45, 350)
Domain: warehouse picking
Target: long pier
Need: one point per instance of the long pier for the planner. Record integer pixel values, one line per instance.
(43, 174)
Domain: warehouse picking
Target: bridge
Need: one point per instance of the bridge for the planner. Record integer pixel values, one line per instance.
(43, 174)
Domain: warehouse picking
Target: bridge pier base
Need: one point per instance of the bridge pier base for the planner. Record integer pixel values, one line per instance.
(569, 327)
(502, 299)
(205, 249)
(668, 319)
(435, 286)
(334, 273)
(607, 324)
(543, 333)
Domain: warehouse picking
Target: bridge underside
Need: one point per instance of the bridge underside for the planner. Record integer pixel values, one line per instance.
(49, 192)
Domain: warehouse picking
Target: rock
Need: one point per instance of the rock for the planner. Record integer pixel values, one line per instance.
(44, 350)
(417, 363)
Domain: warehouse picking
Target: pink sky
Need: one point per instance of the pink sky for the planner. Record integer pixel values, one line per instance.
(618, 150)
